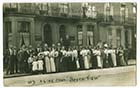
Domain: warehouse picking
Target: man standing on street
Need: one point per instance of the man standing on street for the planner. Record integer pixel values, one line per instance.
(9, 55)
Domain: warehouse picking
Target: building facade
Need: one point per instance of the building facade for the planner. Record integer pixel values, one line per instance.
(84, 23)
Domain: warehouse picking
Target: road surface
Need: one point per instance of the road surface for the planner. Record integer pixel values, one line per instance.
(119, 76)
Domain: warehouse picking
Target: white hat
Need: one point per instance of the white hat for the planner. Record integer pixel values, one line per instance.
(105, 45)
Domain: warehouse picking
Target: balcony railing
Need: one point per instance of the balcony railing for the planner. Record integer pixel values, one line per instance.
(55, 11)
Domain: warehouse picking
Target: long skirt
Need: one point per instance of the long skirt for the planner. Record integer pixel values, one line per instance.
(63, 64)
(74, 64)
(106, 62)
(122, 61)
(53, 69)
(90, 61)
(86, 62)
(57, 63)
(94, 62)
(110, 60)
(69, 63)
(114, 59)
(77, 64)
(47, 64)
(81, 62)
(99, 61)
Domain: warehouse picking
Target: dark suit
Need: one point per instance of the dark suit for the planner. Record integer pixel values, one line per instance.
(26, 56)
(10, 61)
(37, 50)
(15, 60)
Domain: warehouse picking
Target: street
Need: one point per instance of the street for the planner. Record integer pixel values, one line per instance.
(119, 76)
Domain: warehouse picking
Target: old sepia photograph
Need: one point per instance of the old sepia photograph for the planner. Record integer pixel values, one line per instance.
(69, 44)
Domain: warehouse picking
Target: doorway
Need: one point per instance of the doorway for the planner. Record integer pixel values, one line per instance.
(47, 34)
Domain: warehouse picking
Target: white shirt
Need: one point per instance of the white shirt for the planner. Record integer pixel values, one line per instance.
(69, 53)
(64, 52)
(75, 53)
(46, 53)
(30, 59)
(83, 52)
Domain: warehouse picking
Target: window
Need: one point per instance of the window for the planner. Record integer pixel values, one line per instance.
(63, 8)
(90, 37)
(62, 32)
(108, 12)
(118, 37)
(134, 8)
(80, 34)
(44, 8)
(110, 36)
(126, 12)
(123, 12)
(24, 26)
(8, 27)
(10, 5)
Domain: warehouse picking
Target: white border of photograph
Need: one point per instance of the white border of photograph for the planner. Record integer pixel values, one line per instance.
(23, 1)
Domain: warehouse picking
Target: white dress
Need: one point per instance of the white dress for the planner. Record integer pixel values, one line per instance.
(75, 55)
(40, 65)
(84, 53)
(52, 63)
(47, 61)
(99, 60)
(113, 55)
(34, 67)
(89, 58)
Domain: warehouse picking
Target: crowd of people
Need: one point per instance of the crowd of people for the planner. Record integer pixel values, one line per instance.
(59, 58)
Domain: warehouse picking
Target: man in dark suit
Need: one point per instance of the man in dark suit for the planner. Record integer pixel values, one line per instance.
(38, 49)
(15, 59)
(9, 57)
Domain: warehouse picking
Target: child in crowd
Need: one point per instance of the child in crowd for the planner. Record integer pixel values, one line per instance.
(40, 64)
(34, 65)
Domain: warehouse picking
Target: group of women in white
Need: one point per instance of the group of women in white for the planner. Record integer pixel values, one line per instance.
(58, 59)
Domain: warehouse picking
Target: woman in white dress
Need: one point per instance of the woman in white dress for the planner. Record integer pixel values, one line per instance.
(89, 57)
(97, 54)
(75, 58)
(56, 59)
(52, 63)
(113, 55)
(99, 59)
(84, 53)
(47, 61)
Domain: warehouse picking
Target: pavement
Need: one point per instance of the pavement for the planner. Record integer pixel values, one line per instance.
(117, 76)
